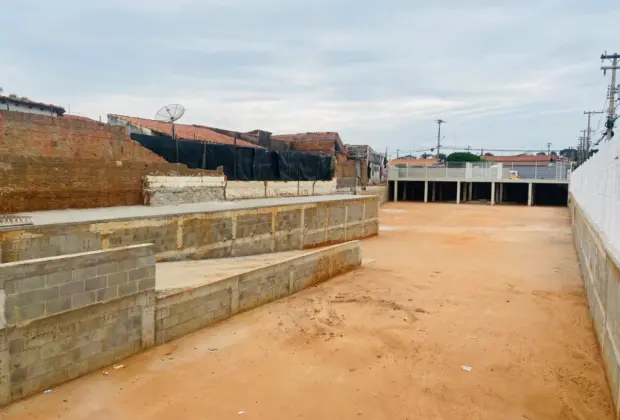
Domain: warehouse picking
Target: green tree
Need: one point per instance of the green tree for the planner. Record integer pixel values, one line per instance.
(540, 154)
(442, 156)
(489, 154)
(569, 153)
(13, 96)
(462, 157)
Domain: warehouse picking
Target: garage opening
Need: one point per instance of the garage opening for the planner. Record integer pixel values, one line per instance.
(390, 190)
(442, 191)
(514, 193)
(412, 191)
(550, 194)
(476, 192)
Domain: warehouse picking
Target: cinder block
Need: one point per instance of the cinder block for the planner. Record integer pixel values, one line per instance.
(137, 274)
(127, 289)
(83, 299)
(95, 283)
(146, 284)
(50, 350)
(117, 278)
(30, 283)
(107, 268)
(127, 265)
(84, 273)
(61, 277)
(34, 297)
(24, 358)
(162, 313)
(171, 321)
(106, 294)
(72, 288)
(58, 305)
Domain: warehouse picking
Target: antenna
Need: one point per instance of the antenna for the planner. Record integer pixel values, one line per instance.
(171, 113)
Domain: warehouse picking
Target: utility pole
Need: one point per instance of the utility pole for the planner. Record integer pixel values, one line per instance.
(439, 122)
(589, 129)
(548, 149)
(582, 148)
(611, 116)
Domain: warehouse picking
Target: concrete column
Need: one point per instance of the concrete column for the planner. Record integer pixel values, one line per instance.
(471, 191)
(530, 194)
(492, 193)
(458, 192)
(434, 191)
(395, 191)
(426, 191)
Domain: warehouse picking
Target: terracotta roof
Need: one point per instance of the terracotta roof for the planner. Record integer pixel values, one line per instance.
(413, 162)
(526, 159)
(185, 131)
(60, 110)
(319, 137)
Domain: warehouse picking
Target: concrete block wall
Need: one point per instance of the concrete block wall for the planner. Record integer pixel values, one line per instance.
(184, 311)
(67, 316)
(601, 275)
(204, 235)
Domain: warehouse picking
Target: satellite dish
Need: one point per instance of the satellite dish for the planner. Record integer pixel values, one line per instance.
(171, 113)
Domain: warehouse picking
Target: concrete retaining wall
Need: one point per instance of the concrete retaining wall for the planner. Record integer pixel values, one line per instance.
(204, 235)
(601, 275)
(66, 316)
(166, 190)
(382, 192)
(182, 312)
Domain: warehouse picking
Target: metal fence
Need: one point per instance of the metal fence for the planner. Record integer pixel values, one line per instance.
(595, 186)
(559, 171)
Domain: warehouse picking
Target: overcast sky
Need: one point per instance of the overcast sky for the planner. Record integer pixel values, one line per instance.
(504, 74)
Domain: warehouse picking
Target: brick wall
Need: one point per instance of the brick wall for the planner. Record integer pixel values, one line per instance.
(23, 134)
(66, 316)
(181, 312)
(45, 183)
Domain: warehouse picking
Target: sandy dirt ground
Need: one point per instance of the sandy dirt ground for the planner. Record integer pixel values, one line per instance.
(496, 289)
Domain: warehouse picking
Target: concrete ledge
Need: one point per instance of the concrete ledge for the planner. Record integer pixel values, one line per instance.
(180, 312)
(601, 276)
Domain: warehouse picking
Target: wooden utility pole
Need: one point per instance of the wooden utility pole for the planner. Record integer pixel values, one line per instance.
(611, 112)
(589, 129)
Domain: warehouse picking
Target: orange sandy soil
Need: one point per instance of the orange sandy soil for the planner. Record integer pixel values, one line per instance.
(493, 288)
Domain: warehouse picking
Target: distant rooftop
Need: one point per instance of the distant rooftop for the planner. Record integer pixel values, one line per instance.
(27, 102)
(184, 131)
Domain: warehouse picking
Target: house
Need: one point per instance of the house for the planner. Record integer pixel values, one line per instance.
(10, 103)
(327, 143)
(370, 164)
(182, 131)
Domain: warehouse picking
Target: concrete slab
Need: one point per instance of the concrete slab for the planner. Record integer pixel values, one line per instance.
(132, 212)
(182, 274)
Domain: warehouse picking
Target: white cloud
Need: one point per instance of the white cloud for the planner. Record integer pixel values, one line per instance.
(379, 73)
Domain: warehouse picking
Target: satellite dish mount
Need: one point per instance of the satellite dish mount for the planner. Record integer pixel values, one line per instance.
(170, 114)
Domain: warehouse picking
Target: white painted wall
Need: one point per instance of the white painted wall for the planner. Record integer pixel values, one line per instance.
(595, 186)
(239, 190)
(154, 181)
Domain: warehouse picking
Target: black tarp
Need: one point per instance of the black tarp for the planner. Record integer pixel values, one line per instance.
(251, 164)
